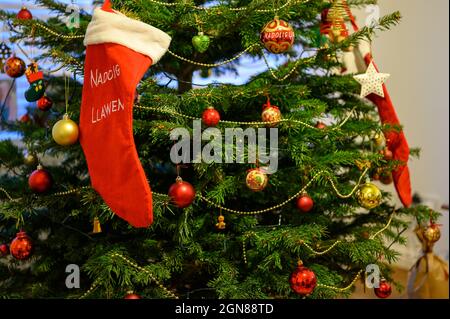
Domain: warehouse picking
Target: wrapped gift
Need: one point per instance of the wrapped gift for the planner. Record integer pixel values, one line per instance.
(428, 278)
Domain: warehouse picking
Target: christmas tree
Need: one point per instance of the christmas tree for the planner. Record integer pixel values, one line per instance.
(219, 216)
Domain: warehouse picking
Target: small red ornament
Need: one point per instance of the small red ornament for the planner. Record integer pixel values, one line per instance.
(44, 103)
(384, 290)
(182, 193)
(24, 14)
(321, 125)
(270, 114)
(305, 203)
(303, 280)
(131, 295)
(387, 153)
(211, 116)
(40, 181)
(21, 247)
(386, 178)
(4, 250)
(25, 118)
(15, 67)
(277, 36)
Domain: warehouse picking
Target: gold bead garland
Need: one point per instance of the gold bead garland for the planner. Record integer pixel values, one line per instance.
(207, 65)
(56, 34)
(258, 212)
(341, 289)
(320, 253)
(237, 212)
(296, 64)
(256, 123)
(213, 65)
(6, 194)
(91, 289)
(136, 266)
(72, 191)
(206, 9)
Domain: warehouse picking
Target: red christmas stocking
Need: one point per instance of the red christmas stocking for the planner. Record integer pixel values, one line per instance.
(119, 52)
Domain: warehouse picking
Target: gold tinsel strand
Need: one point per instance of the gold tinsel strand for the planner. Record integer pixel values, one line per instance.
(206, 9)
(256, 123)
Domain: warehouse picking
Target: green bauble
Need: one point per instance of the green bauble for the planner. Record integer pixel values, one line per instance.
(201, 42)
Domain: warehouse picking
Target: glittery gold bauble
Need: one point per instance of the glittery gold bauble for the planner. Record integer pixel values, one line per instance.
(369, 196)
(30, 160)
(65, 132)
(256, 180)
(271, 114)
(277, 36)
(432, 233)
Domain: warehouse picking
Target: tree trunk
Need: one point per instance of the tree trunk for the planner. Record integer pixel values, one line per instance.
(185, 78)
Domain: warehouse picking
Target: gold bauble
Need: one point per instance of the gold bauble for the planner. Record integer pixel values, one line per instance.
(256, 180)
(369, 196)
(30, 160)
(65, 132)
(271, 115)
(432, 233)
(379, 140)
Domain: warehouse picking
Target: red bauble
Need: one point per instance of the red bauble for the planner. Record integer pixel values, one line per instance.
(25, 118)
(40, 181)
(384, 290)
(44, 103)
(182, 193)
(22, 246)
(277, 36)
(321, 125)
(305, 203)
(131, 295)
(303, 280)
(15, 67)
(24, 14)
(387, 153)
(4, 250)
(210, 117)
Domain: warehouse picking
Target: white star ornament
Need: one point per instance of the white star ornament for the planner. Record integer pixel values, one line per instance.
(372, 81)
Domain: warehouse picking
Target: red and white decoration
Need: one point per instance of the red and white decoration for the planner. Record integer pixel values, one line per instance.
(119, 52)
(372, 81)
